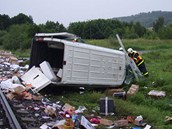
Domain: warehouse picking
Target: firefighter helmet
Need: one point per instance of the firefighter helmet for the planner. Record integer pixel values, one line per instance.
(130, 50)
(120, 49)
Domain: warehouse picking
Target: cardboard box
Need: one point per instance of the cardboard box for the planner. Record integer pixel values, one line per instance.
(133, 89)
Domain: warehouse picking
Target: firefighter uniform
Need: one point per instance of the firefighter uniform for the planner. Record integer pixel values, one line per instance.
(138, 60)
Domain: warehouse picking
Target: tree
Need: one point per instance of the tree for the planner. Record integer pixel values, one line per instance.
(101, 28)
(4, 22)
(21, 19)
(52, 27)
(33, 29)
(158, 24)
(94, 29)
(139, 30)
(166, 32)
(2, 34)
(17, 37)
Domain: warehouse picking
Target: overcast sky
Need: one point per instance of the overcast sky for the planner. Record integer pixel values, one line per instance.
(67, 11)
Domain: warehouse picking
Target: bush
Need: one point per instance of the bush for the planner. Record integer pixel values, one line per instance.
(17, 37)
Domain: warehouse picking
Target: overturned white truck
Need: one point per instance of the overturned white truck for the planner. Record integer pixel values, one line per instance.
(67, 62)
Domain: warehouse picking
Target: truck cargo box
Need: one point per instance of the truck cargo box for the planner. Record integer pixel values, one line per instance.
(77, 62)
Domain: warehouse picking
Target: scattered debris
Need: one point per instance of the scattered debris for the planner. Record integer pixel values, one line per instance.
(130, 119)
(50, 111)
(121, 123)
(69, 124)
(155, 93)
(121, 95)
(85, 123)
(81, 109)
(21, 87)
(168, 118)
(133, 89)
(107, 106)
(139, 121)
(36, 78)
(147, 127)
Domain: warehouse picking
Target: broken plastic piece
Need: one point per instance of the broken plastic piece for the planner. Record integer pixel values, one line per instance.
(47, 70)
(147, 127)
(157, 93)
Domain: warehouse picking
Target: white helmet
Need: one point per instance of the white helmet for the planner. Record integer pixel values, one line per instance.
(130, 50)
(120, 49)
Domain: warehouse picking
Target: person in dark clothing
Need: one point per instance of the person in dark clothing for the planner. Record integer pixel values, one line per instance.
(138, 60)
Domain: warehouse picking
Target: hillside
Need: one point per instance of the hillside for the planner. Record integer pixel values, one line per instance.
(147, 19)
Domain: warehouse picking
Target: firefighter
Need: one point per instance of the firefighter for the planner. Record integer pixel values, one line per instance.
(75, 39)
(138, 60)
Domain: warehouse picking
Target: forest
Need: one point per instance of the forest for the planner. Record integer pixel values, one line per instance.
(17, 32)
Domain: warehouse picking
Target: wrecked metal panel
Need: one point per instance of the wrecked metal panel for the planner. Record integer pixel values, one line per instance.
(36, 78)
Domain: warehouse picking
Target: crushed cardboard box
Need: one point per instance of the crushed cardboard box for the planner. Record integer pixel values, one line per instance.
(133, 89)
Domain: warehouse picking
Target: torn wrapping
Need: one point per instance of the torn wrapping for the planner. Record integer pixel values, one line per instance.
(9, 84)
(156, 93)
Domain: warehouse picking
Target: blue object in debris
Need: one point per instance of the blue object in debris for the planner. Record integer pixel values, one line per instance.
(135, 128)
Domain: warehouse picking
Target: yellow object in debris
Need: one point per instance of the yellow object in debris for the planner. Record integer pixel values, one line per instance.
(69, 123)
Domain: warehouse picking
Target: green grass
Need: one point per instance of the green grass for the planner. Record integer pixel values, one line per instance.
(23, 53)
(138, 44)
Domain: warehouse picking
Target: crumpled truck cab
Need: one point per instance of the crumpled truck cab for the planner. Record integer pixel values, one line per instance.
(74, 63)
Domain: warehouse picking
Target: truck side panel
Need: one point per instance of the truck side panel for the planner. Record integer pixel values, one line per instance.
(88, 66)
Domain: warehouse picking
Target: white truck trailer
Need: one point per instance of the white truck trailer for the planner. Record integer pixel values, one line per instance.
(76, 63)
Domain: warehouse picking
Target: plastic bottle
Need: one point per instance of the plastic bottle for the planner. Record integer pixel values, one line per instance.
(68, 123)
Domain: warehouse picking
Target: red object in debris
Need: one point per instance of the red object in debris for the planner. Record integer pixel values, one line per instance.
(130, 119)
(29, 85)
(95, 120)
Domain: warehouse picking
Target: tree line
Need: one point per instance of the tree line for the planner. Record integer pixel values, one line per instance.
(147, 19)
(17, 32)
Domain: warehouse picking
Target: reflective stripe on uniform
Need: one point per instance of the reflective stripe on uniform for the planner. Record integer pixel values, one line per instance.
(145, 73)
(140, 62)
